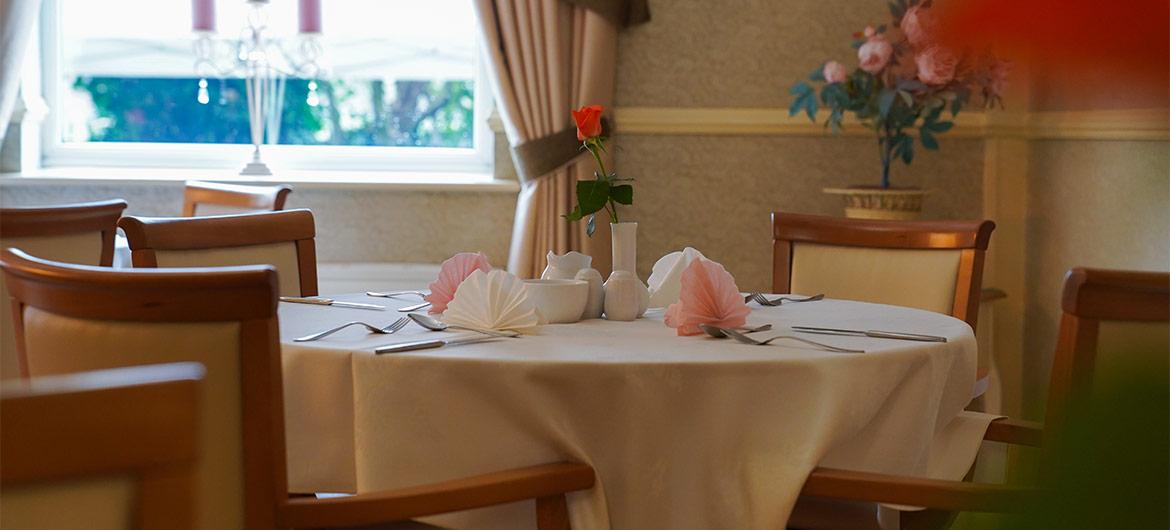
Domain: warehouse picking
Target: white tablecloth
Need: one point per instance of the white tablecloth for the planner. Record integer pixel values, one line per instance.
(684, 432)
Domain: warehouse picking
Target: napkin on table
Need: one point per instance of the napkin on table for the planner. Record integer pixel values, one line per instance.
(666, 276)
(495, 300)
(707, 295)
(451, 274)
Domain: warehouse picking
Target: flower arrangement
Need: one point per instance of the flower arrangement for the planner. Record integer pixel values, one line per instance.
(607, 191)
(905, 78)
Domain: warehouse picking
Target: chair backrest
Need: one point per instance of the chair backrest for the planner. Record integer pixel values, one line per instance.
(112, 449)
(281, 239)
(72, 318)
(214, 198)
(1107, 313)
(71, 233)
(932, 265)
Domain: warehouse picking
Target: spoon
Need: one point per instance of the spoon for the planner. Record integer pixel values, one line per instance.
(437, 325)
(718, 332)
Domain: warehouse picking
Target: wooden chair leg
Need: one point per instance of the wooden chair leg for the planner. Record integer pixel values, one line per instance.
(552, 513)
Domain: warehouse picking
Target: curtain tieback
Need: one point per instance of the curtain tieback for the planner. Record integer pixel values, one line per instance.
(539, 157)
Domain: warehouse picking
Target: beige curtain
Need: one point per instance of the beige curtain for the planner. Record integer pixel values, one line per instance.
(17, 18)
(547, 57)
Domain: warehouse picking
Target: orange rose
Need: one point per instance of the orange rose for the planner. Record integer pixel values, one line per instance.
(588, 120)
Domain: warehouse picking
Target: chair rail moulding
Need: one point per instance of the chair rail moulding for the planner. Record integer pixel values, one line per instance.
(1134, 124)
(750, 120)
(1120, 124)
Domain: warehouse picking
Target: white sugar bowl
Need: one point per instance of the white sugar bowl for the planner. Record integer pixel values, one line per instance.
(558, 301)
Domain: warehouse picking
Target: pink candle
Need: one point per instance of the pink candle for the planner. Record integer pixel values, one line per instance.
(203, 15)
(310, 16)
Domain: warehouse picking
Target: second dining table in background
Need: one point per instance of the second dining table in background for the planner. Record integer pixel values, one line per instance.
(683, 432)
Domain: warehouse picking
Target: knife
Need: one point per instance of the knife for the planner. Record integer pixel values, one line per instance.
(428, 344)
(330, 301)
(870, 333)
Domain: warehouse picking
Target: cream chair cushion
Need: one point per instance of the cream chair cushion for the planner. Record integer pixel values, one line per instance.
(210, 208)
(283, 256)
(1125, 347)
(923, 279)
(58, 344)
(83, 248)
(105, 503)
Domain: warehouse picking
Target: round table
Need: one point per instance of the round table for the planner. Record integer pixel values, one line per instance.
(683, 432)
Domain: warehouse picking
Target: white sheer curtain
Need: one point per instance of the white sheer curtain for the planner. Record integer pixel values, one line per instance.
(17, 18)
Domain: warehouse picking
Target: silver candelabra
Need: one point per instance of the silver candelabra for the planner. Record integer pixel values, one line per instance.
(264, 63)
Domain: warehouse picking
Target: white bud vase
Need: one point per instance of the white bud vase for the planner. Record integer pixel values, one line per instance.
(624, 238)
(623, 296)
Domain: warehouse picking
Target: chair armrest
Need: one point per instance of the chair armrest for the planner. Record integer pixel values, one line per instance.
(1017, 432)
(500, 487)
(928, 493)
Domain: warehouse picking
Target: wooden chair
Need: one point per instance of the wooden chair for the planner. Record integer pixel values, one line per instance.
(72, 233)
(113, 449)
(227, 319)
(931, 265)
(1117, 313)
(281, 239)
(214, 198)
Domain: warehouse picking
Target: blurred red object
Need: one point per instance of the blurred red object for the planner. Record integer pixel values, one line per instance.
(1081, 45)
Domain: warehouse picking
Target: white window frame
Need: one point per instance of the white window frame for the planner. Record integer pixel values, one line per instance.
(56, 153)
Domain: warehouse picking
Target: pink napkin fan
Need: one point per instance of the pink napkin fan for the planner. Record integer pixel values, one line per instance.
(708, 296)
(452, 273)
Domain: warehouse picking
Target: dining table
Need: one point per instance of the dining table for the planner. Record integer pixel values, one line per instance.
(684, 432)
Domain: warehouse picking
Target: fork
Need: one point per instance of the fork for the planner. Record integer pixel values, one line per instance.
(759, 298)
(395, 294)
(744, 339)
(388, 330)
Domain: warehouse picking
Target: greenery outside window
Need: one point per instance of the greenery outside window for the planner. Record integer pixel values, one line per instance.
(402, 89)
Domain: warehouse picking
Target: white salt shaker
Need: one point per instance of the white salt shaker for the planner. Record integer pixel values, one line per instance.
(596, 301)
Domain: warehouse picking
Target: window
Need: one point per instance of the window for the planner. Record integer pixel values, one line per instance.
(401, 87)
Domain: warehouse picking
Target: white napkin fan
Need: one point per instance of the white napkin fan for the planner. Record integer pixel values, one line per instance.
(666, 277)
(495, 300)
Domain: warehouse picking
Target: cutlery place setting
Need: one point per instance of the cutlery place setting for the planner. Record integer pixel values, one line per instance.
(427, 322)
(763, 300)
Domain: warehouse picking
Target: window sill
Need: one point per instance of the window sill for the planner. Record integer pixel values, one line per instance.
(376, 180)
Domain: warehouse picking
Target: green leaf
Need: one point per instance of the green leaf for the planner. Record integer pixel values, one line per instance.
(907, 148)
(592, 195)
(886, 101)
(810, 107)
(911, 85)
(574, 215)
(942, 126)
(623, 194)
(927, 139)
(956, 106)
(800, 88)
(818, 74)
(907, 98)
(896, 11)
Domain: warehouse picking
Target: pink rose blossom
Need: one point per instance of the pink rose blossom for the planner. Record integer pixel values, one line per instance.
(835, 72)
(936, 65)
(875, 54)
(919, 26)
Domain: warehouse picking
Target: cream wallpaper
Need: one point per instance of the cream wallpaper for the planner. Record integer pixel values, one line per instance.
(716, 193)
(1094, 204)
